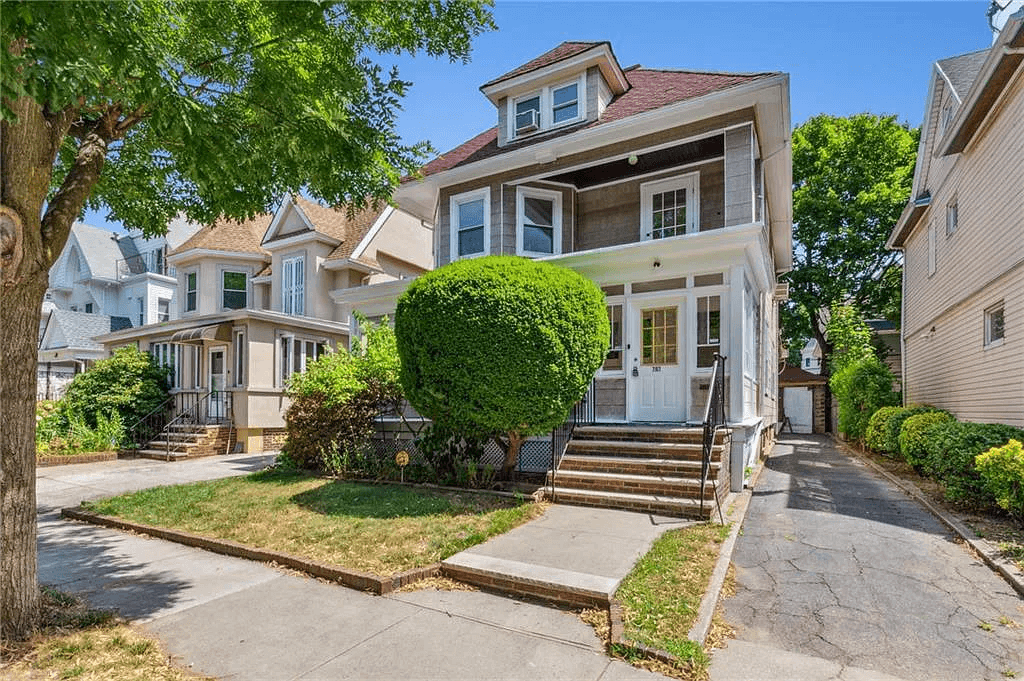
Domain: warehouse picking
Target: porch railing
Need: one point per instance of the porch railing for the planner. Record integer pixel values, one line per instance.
(183, 408)
(714, 418)
(582, 413)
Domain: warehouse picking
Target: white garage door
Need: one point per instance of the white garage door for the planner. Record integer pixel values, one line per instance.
(799, 408)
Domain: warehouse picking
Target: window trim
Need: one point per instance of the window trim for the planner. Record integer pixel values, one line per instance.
(522, 193)
(990, 342)
(230, 270)
(238, 353)
(453, 226)
(284, 370)
(291, 294)
(547, 108)
(170, 355)
(952, 210)
(722, 296)
(539, 95)
(166, 314)
(647, 191)
(613, 301)
(193, 292)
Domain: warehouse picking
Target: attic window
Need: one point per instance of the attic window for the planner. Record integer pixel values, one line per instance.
(946, 118)
(527, 115)
(565, 103)
(550, 107)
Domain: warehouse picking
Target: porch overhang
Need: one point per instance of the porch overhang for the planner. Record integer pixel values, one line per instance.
(198, 335)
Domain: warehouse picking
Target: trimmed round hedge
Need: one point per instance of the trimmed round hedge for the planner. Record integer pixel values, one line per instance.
(500, 344)
(883, 434)
(916, 434)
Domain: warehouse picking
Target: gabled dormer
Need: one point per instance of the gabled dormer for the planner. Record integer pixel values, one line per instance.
(569, 85)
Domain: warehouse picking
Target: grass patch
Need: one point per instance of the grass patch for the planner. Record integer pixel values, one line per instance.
(380, 529)
(660, 597)
(87, 645)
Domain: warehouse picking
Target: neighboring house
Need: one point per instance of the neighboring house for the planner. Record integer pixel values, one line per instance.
(256, 302)
(810, 357)
(802, 400)
(962, 237)
(112, 276)
(669, 188)
(886, 339)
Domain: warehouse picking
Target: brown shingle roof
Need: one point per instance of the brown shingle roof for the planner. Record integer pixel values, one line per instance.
(792, 375)
(336, 222)
(563, 51)
(650, 89)
(230, 235)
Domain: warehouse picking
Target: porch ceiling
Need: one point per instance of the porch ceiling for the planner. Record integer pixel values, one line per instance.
(650, 162)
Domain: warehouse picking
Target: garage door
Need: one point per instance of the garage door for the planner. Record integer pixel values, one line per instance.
(799, 408)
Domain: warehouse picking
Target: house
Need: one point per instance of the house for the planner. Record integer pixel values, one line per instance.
(962, 237)
(115, 277)
(256, 303)
(810, 357)
(802, 400)
(670, 189)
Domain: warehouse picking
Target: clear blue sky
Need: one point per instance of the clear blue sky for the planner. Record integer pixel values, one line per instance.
(843, 58)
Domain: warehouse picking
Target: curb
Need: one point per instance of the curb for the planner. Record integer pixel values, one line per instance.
(354, 579)
(1005, 568)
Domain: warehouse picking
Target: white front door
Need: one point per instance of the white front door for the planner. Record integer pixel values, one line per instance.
(656, 356)
(218, 399)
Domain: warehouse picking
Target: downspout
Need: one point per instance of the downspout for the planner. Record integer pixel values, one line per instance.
(501, 218)
(903, 342)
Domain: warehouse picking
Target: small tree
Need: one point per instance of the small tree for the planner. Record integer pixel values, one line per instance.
(500, 346)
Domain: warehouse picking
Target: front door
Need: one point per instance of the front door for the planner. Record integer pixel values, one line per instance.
(656, 356)
(218, 399)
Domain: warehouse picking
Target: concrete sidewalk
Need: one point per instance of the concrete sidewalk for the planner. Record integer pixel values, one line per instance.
(840, 575)
(233, 618)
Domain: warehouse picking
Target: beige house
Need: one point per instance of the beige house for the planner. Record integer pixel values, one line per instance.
(256, 303)
(962, 235)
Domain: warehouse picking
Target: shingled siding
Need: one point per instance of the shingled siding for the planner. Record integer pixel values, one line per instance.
(509, 180)
(739, 171)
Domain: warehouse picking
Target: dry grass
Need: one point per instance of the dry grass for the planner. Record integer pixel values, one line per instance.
(438, 584)
(380, 529)
(86, 645)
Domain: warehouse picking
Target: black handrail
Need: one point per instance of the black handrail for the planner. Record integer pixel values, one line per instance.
(714, 418)
(583, 412)
(191, 407)
(147, 427)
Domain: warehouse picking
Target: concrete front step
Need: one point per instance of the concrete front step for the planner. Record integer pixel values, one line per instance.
(660, 450)
(564, 587)
(161, 454)
(667, 486)
(175, 445)
(646, 433)
(633, 465)
(644, 503)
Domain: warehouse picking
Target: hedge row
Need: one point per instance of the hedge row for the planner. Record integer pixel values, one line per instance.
(939, 446)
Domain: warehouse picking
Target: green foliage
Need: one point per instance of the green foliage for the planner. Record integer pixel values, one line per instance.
(128, 383)
(336, 400)
(450, 454)
(916, 433)
(851, 179)
(849, 336)
(875, 436)
(1002, 470)
(951, 452)
(862, 387)
(224, 106)
(500, 344)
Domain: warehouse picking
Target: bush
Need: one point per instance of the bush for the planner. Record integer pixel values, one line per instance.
(448, 453)
(874, 437)
(128, 383)
(915, 434)
(951, 453)
(862, 387)
(336, 400)
(500, 346)
(1002, 470)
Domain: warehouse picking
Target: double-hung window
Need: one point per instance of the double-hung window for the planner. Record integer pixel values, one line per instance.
(470, 224)
(952, 217)
(163, 310)
(709, 330)
(539, 221)
(233, 293)
(550, 107)
(669, 207)
(296, 353)
(565, 103)
(527, 114)
(613, 360)
(995, 324)
(293, 284)
(191, 291)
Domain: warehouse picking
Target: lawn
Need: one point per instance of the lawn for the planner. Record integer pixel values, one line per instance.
(661, 595)
(380, 529)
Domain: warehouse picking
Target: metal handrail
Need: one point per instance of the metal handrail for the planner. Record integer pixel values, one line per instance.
(714, 418)
(583, 412)
(194, 414)
(157, 415)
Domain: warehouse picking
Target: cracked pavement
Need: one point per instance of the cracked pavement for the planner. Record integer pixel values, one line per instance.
(840, 575)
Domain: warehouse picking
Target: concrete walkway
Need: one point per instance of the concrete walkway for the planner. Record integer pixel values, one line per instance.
(236, 619)
(840, 575)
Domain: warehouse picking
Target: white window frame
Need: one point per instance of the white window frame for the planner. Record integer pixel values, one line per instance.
(238, 356)
(293, 291)
(194, 292)
(248, 297)
(547, 108)
(999, 307)
(142, 310)
(620, 302)
(697, 345)
(169, 355)
(197, 366)
(522, 193)
(453, 213)
(689, 181)
(163, 316)
(297, 346)
(952, 216)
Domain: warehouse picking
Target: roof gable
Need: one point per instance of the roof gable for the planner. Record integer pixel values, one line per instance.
(961, 70)
(234, 236)
(564, 51)
(67, 329)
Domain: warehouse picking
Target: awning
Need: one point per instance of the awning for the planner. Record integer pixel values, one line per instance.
(199, 334)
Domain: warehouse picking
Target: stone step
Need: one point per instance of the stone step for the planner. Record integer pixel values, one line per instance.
(646, 433)
(659, 450)
(189, 428)
(161, 454)
(175, 445)
(665, 486)
(634, 465)
(644, 503)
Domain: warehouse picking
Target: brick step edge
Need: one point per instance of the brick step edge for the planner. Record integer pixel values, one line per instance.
(90, 457)
(363, 581)
(680, 507)
(507, 585)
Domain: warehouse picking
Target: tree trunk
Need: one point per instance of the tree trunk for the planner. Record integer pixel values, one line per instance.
(826, 372)
(515, 441)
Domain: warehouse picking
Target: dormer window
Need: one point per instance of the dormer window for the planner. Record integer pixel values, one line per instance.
(550, 107)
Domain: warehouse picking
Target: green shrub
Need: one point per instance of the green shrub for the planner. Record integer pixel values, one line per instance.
(1002, 471)
(951, 453)
(129, 383)
(874, 437)
(500, 346)
(448, 452)
(862, 387)
(915, 434)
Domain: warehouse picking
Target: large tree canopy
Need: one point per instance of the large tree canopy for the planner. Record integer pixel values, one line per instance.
(851, 180)
(152, 108)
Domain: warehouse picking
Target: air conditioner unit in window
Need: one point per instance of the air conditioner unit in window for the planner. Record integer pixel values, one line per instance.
(527, 121)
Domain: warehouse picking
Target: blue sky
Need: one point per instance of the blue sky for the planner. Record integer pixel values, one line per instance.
(842, 57)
